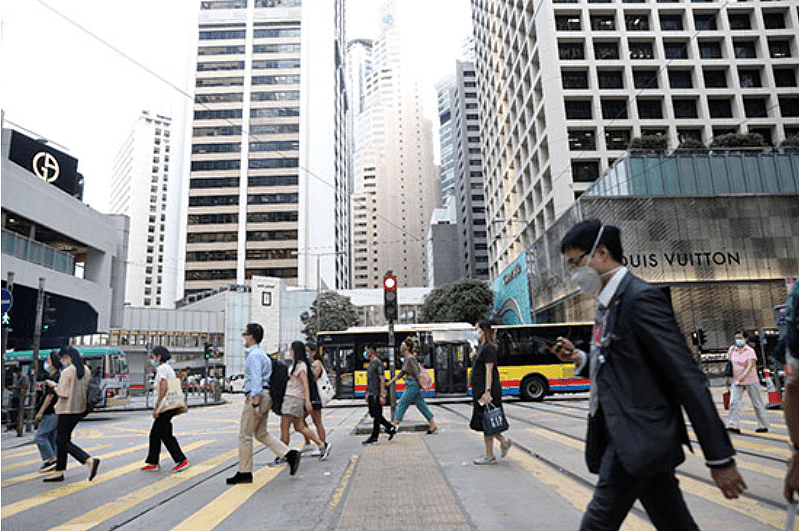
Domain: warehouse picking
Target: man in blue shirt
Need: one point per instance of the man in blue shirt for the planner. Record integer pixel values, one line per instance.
(258, 369)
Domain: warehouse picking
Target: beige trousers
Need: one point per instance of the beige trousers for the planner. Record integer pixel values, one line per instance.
(252, 426)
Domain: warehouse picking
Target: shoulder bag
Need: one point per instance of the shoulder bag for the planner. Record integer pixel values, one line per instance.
(494, 420)
(425, 380)
(325, 388)
(173, 399)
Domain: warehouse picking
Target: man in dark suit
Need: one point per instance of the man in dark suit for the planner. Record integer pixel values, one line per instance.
(642, 372)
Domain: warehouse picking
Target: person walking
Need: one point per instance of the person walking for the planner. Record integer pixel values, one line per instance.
(297, 402)
(787, 350)
(486, 387)
(412, 393)
(744, 377)
(317, 366)
(257, 403)
(72, 390)
(161, 430)
(46, 418)
(376, 397)
(642, 372)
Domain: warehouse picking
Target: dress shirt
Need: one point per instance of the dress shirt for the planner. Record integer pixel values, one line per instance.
(257, 370)
(603, 299)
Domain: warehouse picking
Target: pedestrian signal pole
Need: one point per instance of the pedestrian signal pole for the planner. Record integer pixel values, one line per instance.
(390, 312)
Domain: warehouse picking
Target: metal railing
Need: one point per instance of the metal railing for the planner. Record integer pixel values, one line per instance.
(37, 252)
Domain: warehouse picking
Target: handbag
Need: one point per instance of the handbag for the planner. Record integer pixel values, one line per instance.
(173, 399)
(494, 420)
(425, 380)
(325, 388)
(728, 369)
(726, 398)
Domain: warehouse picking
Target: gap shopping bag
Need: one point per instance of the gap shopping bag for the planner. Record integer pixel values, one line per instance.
(494, 420)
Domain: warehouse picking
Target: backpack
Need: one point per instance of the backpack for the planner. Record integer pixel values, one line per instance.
(94, 395)
(277, 383)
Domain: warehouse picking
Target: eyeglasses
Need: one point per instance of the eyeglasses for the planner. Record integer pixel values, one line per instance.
(245, 334)
(572, 263)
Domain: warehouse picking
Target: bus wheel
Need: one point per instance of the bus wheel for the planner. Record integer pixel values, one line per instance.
(534, 388)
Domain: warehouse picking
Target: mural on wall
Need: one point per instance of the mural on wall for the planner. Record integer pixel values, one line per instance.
(512, 294)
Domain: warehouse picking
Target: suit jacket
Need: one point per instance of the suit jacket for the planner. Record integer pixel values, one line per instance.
(647, 375)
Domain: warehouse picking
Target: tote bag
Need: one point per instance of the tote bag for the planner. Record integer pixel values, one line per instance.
(325, 388)
(425, 380)
(494, 420)
(173, 399)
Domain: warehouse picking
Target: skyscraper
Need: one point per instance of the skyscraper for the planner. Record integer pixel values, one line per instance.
(268, 190)
(565, 85)
(141, 190)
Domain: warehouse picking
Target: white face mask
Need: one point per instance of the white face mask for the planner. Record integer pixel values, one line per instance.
(586, 277)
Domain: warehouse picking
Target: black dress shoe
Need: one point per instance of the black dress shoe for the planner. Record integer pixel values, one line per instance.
(240, 477)
(761, 430)
(93, 468)
(392, 433)
(52, 479)
(293, 459)
(370, 441)
(734, 430)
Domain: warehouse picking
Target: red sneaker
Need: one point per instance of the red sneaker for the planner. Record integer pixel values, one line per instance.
(151, 468)
(180, 466)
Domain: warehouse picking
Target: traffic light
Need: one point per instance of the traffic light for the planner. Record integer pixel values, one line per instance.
(48, 319)
(390, 296)
(702, 337)
(207, 350)
(694, 338)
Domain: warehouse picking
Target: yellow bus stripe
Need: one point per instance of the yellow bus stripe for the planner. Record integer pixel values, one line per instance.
(125, 502)
(215, 512)
(35, 461)
(35, 501)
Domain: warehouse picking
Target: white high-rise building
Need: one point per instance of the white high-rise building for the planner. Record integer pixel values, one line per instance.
(565, 85)
(446, 101)
(268, 188)
(141, 187)
(396, 183)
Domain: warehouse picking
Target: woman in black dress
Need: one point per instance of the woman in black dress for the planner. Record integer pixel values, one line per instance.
(486, 387)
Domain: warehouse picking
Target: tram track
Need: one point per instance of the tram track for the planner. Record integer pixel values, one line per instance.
(577, 477)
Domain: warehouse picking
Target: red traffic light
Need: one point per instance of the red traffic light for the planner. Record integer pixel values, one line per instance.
(390, 282)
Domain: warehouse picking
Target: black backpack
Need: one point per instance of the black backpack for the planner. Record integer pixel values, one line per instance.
(277, 383)
(94, 396)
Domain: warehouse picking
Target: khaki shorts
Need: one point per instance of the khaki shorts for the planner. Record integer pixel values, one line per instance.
(293, 406)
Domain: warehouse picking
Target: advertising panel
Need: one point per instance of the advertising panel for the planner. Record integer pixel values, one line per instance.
(46, 163)
(512, 293)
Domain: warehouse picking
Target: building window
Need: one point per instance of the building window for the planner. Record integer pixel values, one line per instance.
(778, 49)
(715, 78)
(685, 134)
(571, 51)
(641, 50)
(650, 109)
(671, 22)
(784, 77)
(582, 140)
(574, 79)
(614, 109)
(645, 79)
(765, 132)
(755, 107)
(585, 171)
(603, 22)
(685, 109)
(606, 50)
(774, 20)
(739, 21)
(789, 106)
(568, 22)
(704, 22)
(749, 78)
(617, 138)
(744, 49)
(578, 109)
(710, 50)
(680, 79)
(720, 107)
(610, 79)
(637, 22)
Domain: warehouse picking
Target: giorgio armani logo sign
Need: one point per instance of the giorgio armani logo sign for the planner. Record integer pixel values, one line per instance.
(46, 162)
(46, 167)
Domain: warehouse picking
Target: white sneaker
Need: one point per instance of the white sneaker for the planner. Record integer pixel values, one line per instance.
(485, 460)
(313, 451)
(308, 448)
(504, 448)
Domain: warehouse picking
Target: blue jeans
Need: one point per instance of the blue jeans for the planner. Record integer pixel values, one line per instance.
(411, 395)
(46, 436)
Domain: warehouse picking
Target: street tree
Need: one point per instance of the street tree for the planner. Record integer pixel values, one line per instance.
(329, 311)
(465, 300)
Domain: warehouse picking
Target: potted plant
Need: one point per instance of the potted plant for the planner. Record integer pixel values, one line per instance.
(649, 143)
(736, 141)
(691, 145)
(790, 144)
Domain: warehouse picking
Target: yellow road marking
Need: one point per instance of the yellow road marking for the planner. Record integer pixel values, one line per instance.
(40, 499)
(34, 461)
(215, 512)
(335, 499)
(125, 502)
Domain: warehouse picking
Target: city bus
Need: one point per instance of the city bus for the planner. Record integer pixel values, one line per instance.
(109, 366)
(526, 367)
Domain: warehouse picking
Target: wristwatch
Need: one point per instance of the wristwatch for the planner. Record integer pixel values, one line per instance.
(256, 405)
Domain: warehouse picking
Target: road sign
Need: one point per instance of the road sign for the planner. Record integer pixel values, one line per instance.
(7, 301)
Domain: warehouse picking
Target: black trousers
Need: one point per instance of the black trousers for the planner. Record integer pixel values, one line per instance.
(376, 411)
(161, 431)
(64, 444)
(616, 491)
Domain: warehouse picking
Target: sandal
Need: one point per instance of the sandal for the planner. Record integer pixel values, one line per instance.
(431, 431)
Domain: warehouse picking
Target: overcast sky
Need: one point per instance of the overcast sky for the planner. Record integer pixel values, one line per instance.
(62, 84)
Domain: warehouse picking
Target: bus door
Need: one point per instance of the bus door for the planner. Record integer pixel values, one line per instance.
(451, 368)
(345, 372)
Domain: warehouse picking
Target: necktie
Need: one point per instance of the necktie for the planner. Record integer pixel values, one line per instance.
(599, 325)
